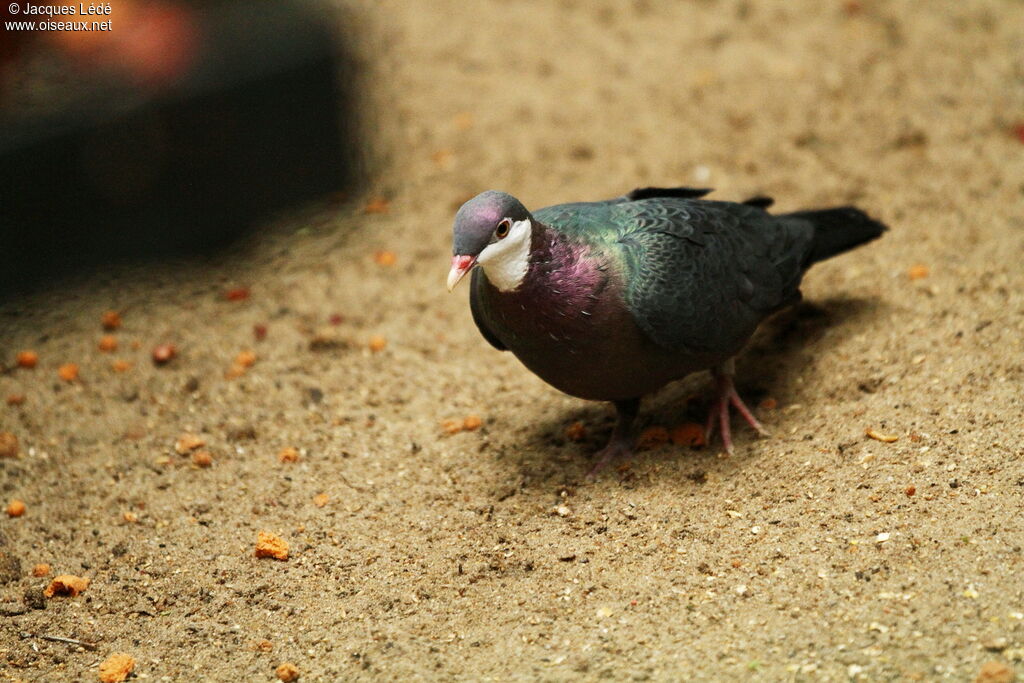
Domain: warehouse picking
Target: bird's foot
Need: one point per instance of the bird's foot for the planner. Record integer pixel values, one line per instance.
(720, 408)
(621, 443)
(617, 449)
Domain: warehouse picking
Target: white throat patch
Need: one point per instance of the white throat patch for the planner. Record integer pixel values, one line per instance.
(506, 261)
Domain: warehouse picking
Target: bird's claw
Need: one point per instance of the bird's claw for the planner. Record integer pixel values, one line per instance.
(720, 409)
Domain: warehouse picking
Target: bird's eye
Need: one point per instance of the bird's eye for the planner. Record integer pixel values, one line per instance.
(503, 227)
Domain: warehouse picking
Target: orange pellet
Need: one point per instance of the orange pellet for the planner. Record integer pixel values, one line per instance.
(377, 343)
(385, 258)
(768, 404)
(271, 545)
(66, 584)
(15, 508)
(288, 454)
(68, 372)
(121, 366)
(378, 205)
(246, 359)
(910, 490)
(111, 320)
(471, 423)
(41, 569)
(116, 668)
(287, 672)
(321, 499)
(108, 343)
(8, 445)
(653, 437)
(451, 426)
(27, 359)
(688, 434)
(918, 272)
(130, 517)
(237, 294)
(15, 399)
(187, 443)
(202, 458)
(576, 432)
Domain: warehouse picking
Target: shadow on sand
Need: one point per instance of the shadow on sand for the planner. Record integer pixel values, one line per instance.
(769, 366)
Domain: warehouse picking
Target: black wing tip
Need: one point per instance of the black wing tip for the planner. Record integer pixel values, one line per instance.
(680, 192)
(760, 201)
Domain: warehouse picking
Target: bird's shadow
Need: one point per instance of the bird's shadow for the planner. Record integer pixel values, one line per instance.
(770, 366)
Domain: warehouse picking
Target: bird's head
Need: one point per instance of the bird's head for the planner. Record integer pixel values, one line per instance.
(493, 230)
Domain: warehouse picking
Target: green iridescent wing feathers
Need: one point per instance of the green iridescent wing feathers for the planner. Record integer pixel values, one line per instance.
(698, 276)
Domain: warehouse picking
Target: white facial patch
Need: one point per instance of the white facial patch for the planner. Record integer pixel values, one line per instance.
(506, 261)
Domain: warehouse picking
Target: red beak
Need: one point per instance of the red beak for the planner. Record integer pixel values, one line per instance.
(461, 265)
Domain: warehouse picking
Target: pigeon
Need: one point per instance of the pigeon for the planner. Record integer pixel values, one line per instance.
(612, 300)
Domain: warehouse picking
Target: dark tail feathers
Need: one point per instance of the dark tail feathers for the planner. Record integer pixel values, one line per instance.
(838, 230)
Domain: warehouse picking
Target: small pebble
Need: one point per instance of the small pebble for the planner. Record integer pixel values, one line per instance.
(164, 353)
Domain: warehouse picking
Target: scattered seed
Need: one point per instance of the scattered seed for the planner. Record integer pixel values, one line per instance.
(41, 569)
(878, 436)
(653, 437)
(995, 672)
(452, 426)
(768, 404)
(237, 294)
(688, 434)
(321, 499)
(68, 372)
(27, 359)
(576, 431)
(130, 517)
(377, 205)
(66, 584)
(918, 272)
(187, 443)
(15, 508)
(263, 646)
(15, 399)
(287, 672)
(110, 320)
(259, 331)
(377, 343)
(246, 359)
(385, 258)
(8, 445)
(164, 353)
(910, 490)
(288, 454)
(202, 458)
(107, 343)
(121, 365)
(471, 423)
(116, 668)
(271, 545)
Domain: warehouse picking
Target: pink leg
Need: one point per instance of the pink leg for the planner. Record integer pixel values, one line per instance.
(720, 407)
(620, 445)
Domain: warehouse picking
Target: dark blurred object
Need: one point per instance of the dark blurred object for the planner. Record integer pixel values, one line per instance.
(175, 131)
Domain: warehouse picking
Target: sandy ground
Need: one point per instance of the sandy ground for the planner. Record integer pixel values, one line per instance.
(815, 554)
